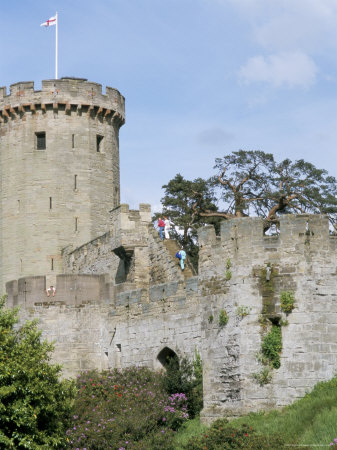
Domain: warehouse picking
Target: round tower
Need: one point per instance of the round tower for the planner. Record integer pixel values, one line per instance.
(59, 162)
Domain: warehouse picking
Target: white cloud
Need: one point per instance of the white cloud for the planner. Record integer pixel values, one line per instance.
(289, 69)
(309, 25)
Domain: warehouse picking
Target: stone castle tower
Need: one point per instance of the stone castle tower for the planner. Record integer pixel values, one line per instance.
(59, 163)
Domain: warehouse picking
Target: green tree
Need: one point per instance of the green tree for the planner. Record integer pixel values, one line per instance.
(182, 203)
(34, 404)
(245, 179)
(299, 187)
(253, 183)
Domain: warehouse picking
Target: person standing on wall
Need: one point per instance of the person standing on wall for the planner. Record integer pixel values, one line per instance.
(161, 226)
(167, 227)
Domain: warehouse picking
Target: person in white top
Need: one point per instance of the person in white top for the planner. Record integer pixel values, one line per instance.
(167, 228)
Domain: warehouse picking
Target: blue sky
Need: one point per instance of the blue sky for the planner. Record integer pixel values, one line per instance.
(202, 78)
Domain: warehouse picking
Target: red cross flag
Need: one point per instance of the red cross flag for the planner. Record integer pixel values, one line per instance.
(49, 22)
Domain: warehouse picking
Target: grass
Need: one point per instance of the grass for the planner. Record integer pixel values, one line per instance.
(190, 429)
(310, 421)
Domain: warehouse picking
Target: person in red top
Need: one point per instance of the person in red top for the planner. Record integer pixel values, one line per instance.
(161, 226)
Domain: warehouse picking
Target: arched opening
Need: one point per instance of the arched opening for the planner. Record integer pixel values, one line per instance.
(165, 355)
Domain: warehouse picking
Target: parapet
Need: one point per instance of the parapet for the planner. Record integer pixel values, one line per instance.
(71, 93)
(125, 219)
(69, 290)
(292, 229)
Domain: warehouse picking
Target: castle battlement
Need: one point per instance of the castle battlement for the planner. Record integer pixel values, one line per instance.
(71, 95)
(291, 230)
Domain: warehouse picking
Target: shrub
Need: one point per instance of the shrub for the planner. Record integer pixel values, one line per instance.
(263, 377)
(186, 377)
(34, 404)
(272, 345)
(223, 318)
(124, 409)
(223, 436)
(287, 301)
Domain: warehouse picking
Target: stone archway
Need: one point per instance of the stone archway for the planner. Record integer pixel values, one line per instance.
(165, 355)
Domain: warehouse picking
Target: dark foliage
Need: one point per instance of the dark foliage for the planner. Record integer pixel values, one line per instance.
(126, 409)
(179, 205)
(186, 377)
(34, 404)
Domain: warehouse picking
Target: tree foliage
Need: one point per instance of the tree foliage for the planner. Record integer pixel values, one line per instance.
(254, 183)
(34, 404)
(245, 178)
(179, 202)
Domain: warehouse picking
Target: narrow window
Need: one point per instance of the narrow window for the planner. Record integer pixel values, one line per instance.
(40, 140)
(50, 202)
(72, 141)
(18, 206)
(118, 347)
(99, 142)
(75, 182)
(76, 223)
(52, 264)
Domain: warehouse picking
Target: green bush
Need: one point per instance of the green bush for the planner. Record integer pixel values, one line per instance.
(185, 376)
(263, 377)
(287, 301)
(272, 345)
(125, 409)
(223, 436)
(34, 404)
(223, 318)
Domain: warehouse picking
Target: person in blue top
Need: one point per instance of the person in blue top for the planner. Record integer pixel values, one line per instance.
(181, 255)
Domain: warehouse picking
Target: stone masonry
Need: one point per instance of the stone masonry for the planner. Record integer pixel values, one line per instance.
(116, 318)
(59, 167)
(121, 298)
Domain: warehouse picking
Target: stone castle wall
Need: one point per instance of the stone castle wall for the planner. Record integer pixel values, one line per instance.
(95, 324)
(131, 252)
(109, 324)
(59, 168)
(303, 261)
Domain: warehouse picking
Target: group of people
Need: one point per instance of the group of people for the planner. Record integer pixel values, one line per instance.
(164, 227)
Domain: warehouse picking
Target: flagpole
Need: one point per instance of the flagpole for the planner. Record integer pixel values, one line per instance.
(56, 46)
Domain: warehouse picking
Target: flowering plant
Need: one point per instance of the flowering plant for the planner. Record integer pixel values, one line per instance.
(123, 409)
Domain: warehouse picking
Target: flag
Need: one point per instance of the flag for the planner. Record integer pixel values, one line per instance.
(49, 22)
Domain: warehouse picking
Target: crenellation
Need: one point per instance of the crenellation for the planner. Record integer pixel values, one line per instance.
(65, 91)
